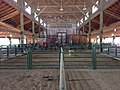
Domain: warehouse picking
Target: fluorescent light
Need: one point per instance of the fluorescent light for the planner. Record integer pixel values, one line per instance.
(112, 34)
(38, 9)
(61, 9)
(97, 36)
(114, 30)
(10, 35)
(84, 8)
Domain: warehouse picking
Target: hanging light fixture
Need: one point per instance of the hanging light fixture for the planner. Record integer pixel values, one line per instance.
(38, 7)
(61, 8)
(84, 7)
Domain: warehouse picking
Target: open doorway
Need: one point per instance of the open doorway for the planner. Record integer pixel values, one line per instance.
(61, 38)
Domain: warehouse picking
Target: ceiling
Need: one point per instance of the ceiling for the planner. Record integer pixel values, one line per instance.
(72, 13)
(50, 10)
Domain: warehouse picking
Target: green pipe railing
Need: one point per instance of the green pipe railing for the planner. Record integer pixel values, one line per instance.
(29, 59)
(62, 82)
(9, 51)
(111, 50)
(94, 57)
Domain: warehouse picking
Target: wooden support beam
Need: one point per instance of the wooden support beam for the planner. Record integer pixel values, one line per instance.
(6, 11)
(105, 6)
(101, 24)
(26, 22)
(33, 28)
(112, 14)
(95, 21)
(55, 2)
(12, 29)
(9, 16)
(8, 26)
(91, 27)
(89, 34)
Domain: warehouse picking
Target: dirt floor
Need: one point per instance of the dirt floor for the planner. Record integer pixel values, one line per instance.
(93, 79)
(29, 80)
(77, 79)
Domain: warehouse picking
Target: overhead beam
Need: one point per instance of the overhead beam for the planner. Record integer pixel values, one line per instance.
(42, 10)
(66, 2)
(95, 21)
(101, 24)
(12, 28)
(80, 10)
(18, 7)
(112, 14)
(55, 2)
(26, 22)
(105, 6)
(65, 6)
(9, 16)
(6, 11)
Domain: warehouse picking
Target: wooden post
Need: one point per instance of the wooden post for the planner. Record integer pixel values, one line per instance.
(101, 24)
(89, 32)
(83, 29)
(39, 25)
(21, 3)
(33, 28)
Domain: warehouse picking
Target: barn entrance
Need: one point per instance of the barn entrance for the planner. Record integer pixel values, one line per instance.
(61, 38)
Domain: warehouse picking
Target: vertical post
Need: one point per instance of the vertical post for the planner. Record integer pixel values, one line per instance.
(90, 9)
(89, 36)
(116, 51)
(83, 29)
(7, 51)
(83, 26)
(15, 50)
(94, 57)
(39, 25)
(101, 24)
(21, 4)
(10, 41)
(33, 28)
(108, 50)
(89, 31)
(78, 31)
(29, 59)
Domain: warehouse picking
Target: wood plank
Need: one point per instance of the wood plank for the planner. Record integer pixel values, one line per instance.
(9, 16)
(110, 3)
(13, 29)
(112, 14)
(26, 22)
(6, 11)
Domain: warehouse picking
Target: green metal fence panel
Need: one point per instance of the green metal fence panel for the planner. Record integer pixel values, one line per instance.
(15, 50)
(7, 51)
(29, 59)
(94, 57)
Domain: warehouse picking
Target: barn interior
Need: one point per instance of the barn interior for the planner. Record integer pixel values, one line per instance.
(68, 40)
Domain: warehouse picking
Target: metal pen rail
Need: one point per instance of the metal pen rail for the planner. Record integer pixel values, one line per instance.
(62, 82)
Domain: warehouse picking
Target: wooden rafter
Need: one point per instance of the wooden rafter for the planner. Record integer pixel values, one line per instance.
(67, 2)
(6, 10)
(55, 2)
(112, 14)
(26, 22)
(12, 28)
(9, 16)
(96, 21)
